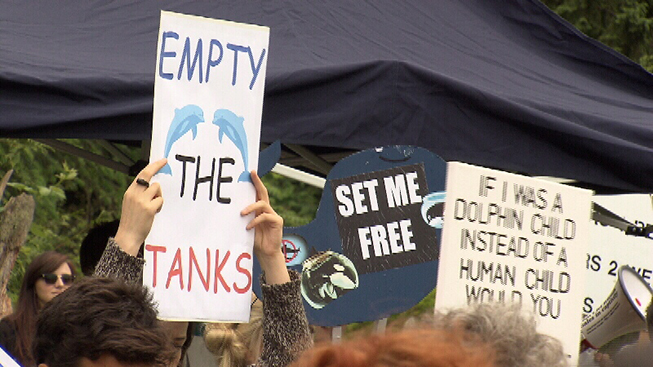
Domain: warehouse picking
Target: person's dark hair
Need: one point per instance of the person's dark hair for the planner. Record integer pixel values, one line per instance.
(94, 244)
(27, 308)
(101, 316)
(190, 333)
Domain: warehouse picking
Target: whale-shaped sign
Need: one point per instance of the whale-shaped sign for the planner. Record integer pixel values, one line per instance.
(372, 249)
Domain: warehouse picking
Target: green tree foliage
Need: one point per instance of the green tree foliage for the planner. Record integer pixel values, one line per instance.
(295, 201)
(624, 25)
(72, 195)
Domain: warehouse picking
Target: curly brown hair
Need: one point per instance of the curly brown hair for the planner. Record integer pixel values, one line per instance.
(99, 316)
(407, 348)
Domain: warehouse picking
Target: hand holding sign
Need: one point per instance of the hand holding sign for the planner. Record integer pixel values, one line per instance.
(139, 205)
(269, 230)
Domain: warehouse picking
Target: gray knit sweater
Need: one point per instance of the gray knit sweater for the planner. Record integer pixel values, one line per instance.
(285, 327)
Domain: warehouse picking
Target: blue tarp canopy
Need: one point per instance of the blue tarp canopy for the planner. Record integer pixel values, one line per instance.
(502, 83)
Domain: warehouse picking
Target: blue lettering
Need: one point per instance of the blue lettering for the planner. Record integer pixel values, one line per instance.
(186, 56)
(257, 68)
(193, 60)
(166, 54)
(211, 63)
(236, 49)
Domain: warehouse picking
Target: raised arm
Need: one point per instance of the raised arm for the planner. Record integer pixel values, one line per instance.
(139, 205)
(285, 328)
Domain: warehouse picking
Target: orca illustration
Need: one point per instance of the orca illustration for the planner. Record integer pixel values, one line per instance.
(185, 120)
(232, 126)
(433, 209)
(327, 276)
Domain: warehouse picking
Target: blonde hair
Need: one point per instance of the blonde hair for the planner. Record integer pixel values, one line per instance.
(237, 345)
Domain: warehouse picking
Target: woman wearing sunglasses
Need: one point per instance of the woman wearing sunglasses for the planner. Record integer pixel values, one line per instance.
(47, 276)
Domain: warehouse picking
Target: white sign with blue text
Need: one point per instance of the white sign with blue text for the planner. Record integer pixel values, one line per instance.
(511, 238)
(208, 102)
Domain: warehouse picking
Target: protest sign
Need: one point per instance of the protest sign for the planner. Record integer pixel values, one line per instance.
(610, 248)
(372, 249)
(208, 99)
(510, 238)
(375, 215)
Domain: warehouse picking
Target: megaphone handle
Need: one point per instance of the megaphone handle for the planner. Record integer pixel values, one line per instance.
(585, 345)
(641, 231)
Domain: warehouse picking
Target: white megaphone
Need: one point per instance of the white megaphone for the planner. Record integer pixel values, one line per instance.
(623, 312)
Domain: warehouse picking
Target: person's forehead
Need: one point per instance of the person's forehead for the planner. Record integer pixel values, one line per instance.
(63, 269)
(107, 360)
(175, 329)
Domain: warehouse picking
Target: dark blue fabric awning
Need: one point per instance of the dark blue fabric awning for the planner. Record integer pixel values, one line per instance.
(504, 84)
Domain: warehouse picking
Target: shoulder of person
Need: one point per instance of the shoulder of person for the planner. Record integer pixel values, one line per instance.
(634, 356)
(7, 324)
(7, 330)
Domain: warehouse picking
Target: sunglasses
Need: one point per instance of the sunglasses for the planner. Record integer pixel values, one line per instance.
(51, 278)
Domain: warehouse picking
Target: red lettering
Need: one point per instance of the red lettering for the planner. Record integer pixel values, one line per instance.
(193, 260)
(218, 270)
(155, 250)
(244, 271)
(176, 271)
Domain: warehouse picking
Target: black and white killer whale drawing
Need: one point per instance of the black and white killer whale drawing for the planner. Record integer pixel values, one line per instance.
(327, 276)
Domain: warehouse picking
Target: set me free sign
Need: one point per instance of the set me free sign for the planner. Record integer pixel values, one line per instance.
(378, 216)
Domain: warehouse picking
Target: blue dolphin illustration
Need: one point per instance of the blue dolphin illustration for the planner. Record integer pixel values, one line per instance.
(232, 126)
(185, 120)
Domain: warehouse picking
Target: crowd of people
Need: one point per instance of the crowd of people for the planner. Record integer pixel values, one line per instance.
(110, 319)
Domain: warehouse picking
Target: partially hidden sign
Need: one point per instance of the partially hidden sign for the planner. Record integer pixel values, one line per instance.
(510, 238)
(610, 248)
(208, 100)
(372, 249)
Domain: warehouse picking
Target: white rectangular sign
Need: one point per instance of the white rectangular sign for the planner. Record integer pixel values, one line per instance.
(208, 102)
(507, 238)
(610, 248)
(6, 360)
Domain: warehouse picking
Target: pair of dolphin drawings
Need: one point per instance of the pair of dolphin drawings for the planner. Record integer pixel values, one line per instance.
(187, 118)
